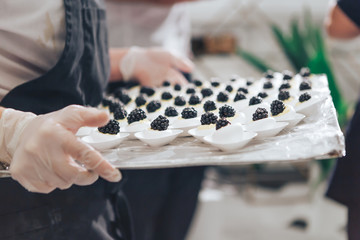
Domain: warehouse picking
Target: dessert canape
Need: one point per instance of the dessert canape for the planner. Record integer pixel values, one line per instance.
(106, 137)
(158, 134)
(187, 121)
(229, 137)
(137, 122)
(285, 113)
(207, 127)
(308, 105)
(264, 125)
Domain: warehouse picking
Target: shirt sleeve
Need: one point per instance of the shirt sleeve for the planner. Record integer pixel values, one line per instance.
(352, 9)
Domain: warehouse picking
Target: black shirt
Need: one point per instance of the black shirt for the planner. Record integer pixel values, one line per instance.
(352, 9)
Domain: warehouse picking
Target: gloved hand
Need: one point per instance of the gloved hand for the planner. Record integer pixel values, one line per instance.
(41, 150)
(153, 66)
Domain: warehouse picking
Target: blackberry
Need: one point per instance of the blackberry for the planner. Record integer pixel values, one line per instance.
(255, 100)
(194, 100)
(166, 96)
(284, 86)
(229, 88)
(262, 94)
(249, 82)
(222, 122)
(122, 95)
(147, 90)
(215, 84)
(304, 97)
(209, 106)
(269, 74)
(106, 102)
(120, 114)
(305, 72)
(226, 111)
(112, 127)
(160, 123)
(305, 85)
(233, 80)
(239, 96)
(119, 92)
(287, 75)
(283, 95)
(136, 115)
(153, 106)
(179, 101)
(222, 97)
(166, 84)
(125, 99)
(208, 118)
(177, 87)
(244, 90)
(277, 107)
(198, 83)
(189, 112)
(132, 83)
(114, 105)
(268, 85)
(140, 101)
(206, 92)
(190, 91)
(171, 112)
(260, 113)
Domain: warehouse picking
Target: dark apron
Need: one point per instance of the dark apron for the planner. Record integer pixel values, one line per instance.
(163, 201)
(344, 186)
(79, 77)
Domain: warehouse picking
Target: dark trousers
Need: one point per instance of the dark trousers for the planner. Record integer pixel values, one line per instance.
(95, 212)
(353, 225)
(345, 183)
(162, 201)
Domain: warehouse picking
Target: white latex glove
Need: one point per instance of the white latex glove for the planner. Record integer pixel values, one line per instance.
(153, 66)
(41, 150)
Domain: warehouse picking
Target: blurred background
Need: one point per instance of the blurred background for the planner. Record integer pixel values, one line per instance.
(246, 37)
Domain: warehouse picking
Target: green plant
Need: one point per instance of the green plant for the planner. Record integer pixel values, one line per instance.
(305, 47)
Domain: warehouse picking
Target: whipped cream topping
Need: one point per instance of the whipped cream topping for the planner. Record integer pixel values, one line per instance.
(288, 112)
(97, 136)
(136, 126)
(183, 123)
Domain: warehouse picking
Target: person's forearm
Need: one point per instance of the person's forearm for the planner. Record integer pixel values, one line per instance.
(116, 55)
(1, 111)
(339, 25)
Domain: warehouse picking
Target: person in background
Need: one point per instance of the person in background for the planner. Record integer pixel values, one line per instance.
(148, 24)
(344, 23)
(54, 54)
(162, 201)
